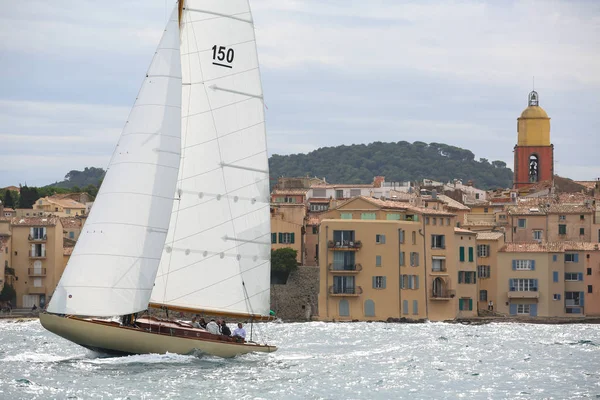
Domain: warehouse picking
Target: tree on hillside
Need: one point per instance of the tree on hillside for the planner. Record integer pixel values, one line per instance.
(283, 262)
(29, 195)
(8, 200)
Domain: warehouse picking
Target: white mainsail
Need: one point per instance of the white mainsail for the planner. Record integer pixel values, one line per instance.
(114, 263)
(217, 253)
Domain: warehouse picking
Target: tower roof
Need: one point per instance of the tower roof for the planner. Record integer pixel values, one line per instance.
(534, 112)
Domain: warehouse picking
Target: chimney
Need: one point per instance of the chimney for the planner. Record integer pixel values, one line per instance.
(378, 180)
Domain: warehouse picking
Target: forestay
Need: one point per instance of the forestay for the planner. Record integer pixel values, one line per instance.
(217, 255)
(114, 263)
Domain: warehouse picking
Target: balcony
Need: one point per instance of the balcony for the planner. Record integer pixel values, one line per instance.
(345, 269)
(344, 245)
(443, 294)
(345, 291)
(36, 290)
(523, 294)
(37, 238)
(37, 272)
(37, 254)
(439, 270)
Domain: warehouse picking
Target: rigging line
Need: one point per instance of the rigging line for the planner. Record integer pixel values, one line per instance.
(225, 45)
(182, 160)
(226, 76)
(255, 294)
(224, 195)
(104, 287)
(218, 225)
(150, 133)
(155, 229)
(139, 194)
(163, 76)
(215, 87)
(156, 105)
(218, 108)
(219, 15)
(221, 157)
(114, 255)
(225, 135)
(220, 167)
(213, 284)
(144, 163)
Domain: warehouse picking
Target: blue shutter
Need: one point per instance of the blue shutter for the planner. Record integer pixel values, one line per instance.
(580, 276)
(559, 296)
(535, 284)
(555, 276)
(576, 257)
(581, 297)
(513, 309)
(511, 285)
(533, 310)
(415, 307)
(383, 283)
(374, 279)
(532, 265)
(405, 307)
(514, 262)
(416, 281)
(554, 258)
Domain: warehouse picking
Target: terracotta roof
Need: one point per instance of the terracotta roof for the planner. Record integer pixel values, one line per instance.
(67, 251)
(466, 231)
(489, 235)
(64, 203)
(573, 198)
(451, 203)
(318, 200)
(500, 200)
(68, 242)
(527, 209)
(341, 186)
(70, 222)
(34, 221)
(289, 191)
(401, 205)
(549, 247)
(313, 221)
(569, 209)
(481, 222)
(9, 209)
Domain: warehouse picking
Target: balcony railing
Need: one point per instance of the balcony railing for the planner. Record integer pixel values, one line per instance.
(38, 238)
(533, 293)
(345, 269)
(345, 291)
(439, 269)
(36, 290)
(443, 294)
(345, 244)
(37, 254)
(37, 272)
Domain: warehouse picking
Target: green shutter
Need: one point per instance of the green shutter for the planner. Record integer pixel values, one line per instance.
(280, 237)
(471, 303)
(273, 238)
(470, 254)
(292, 237)
(462, 253)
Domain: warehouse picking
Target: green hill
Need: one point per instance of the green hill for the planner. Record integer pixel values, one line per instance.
(80, 179)
(401, 161)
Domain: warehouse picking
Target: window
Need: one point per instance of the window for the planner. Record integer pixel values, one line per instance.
(380, 239)
(502, 216)
(521, 223)
(582, 217)
(369, 308)
(477, 196)
(562, 229)
(286, 238)
(68, 211)
(405, 307)
(315, 230)
(409, 282)
(447, 221)
(461, 253)
(368, 216)
(434, 220)
(273, 238)
(438, 242)
(523, 285)
(573, 276)
(523, 265)
(401, 238)
(582, 231)
(483, 250)
(393, 216)
(379, 282)
(402, 261)
(485, 210)
(483, 295)
(555, 276)
(289, 199)
(438, 264)
(556, 296)
(571, 257)
(554, 257)
(465, 304)
(344, 261)
(537, 235)
(343, 238)
(414, 237)
(414, 259)
(346, 215)
(590, 289)
(426, 220)
(562, 217)
(320, 207)
(339, 194)
(523, 309)
(573, 299)
(415, 307)
(466, 277)
(483, 271)
(378, 261)
(71, 235)
(589, 271)
(471, 256)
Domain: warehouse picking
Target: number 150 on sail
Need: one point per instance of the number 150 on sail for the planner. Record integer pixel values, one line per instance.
(222, 55)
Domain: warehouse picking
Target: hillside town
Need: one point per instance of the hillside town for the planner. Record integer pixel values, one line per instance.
(388, 250)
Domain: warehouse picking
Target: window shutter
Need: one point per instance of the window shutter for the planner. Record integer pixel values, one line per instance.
(416, 281)
(470, 254)
(32, 249)
(401, 258)
(462, 254)
(280, 237)
(417, 259)
(405, 306)
(576, 257)
(511, 285)
(31, 232)
(383, 239)
(470, 304)
(401, 236)
(273, 238)
(533, 310)
(487, 250)
(555, 276)
(535, 284)
(432, 241)
(374, 279)
(554, 258)
(383, 284)
(444, 241)
(514, 262)
(292, 237)
(580, 276)
(513, 309)
(581, 297)
(532, 265)
(415, 307)
(44, 231)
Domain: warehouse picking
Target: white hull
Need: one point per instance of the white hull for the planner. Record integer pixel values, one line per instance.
(110, 338)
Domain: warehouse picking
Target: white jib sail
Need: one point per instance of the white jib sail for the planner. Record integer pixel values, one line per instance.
(217, 253)
(114, 263)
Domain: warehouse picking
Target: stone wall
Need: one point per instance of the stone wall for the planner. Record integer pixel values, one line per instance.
(297, 300)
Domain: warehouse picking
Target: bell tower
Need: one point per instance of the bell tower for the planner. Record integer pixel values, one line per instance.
(534, 154)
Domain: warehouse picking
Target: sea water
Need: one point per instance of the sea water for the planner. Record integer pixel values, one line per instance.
(320, 361)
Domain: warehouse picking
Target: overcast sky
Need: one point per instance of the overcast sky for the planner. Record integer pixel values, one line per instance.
(334, 72)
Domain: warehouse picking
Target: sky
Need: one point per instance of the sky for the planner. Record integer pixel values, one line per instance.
(334, 72)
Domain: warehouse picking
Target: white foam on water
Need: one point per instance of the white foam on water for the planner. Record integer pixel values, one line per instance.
(37, 358)
(168, 358)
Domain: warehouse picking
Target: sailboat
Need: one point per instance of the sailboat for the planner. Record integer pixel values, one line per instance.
(181, 222)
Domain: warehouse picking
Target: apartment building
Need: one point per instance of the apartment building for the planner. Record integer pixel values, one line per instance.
(387, 259)
(287, 227)
(548, 279)
(59, 206)
(37, 258)
(72, 227)
(6, 275)
(488, 245)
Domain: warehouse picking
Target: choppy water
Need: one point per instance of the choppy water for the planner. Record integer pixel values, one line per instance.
(321, 361)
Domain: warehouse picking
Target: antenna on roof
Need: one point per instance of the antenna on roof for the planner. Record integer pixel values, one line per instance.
(533, 87)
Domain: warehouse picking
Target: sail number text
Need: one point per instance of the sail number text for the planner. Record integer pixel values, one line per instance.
(222, 56)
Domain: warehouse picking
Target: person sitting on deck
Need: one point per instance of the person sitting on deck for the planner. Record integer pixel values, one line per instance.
(225, 329)
(195, 323)
(239, 333)
(212, 327)
(202, 323)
